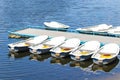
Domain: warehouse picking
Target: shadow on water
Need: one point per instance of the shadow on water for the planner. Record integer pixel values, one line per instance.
(88, 64)
(82, 64)
(18, 55)
(39, 57)
(105, 68)
(61, 61)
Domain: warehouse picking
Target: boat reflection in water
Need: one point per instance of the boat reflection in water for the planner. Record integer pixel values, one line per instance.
(18, 55)
(87, 65)
(40, 57)
(106, 68)
(82, 64)
(61, 61)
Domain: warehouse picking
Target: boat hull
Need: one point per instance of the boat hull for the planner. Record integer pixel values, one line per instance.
(42, 51)
(58, 55)
(18, 49)
(39, 51)
(80, 58)
(104, 61)
(85, 32)
(56, 29)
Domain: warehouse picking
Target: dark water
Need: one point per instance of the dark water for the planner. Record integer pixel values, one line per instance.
(16, 14)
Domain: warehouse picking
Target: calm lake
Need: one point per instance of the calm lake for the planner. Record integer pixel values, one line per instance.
(15, 14)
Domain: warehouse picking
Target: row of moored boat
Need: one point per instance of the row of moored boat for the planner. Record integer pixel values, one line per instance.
(61, 47)
(96, 29)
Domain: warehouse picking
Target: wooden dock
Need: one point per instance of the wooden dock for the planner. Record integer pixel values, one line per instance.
(83, 37)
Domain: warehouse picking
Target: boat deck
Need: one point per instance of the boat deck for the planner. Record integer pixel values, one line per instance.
(83, 37)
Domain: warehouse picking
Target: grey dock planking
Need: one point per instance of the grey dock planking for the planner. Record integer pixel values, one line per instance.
(83, 37)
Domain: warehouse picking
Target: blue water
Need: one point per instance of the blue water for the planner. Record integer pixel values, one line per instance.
(15, 14)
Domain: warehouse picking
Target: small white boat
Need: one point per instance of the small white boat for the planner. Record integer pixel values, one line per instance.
(114, 31)
(95, 29)
(106, 54)
(46, 46)
(55, 25)
(24, 44)
(64, 49)
(85, 51)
